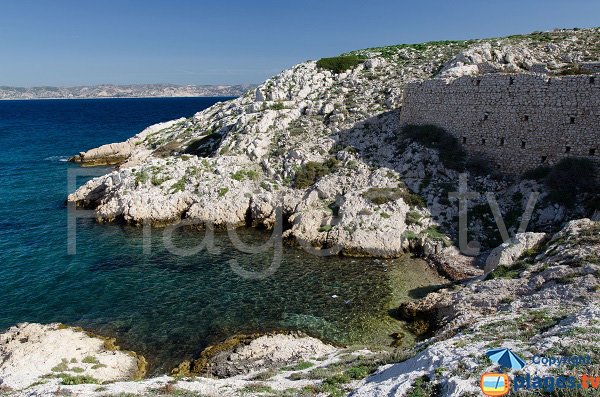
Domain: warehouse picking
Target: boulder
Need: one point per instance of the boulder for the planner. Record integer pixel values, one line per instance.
(507, 253)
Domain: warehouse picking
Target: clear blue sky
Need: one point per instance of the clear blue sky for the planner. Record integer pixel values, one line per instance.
(71, 42)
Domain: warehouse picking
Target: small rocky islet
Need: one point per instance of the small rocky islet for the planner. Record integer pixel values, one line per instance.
(324, 142)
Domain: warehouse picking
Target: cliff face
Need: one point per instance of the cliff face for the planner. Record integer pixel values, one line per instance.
(325, 144)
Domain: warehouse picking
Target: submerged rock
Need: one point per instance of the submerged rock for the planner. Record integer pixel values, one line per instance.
(242, 354)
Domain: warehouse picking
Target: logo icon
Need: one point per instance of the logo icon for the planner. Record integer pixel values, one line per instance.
(494, 384)
(505, 358)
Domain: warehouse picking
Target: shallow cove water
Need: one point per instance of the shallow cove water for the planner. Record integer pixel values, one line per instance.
(164, 306)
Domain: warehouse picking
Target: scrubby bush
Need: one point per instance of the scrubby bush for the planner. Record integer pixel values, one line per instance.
(141, 177)
(413, 218)
(382, 195)
(245, 174)
(312, 171)
(450, 151)
(340, 64)
(278, 106)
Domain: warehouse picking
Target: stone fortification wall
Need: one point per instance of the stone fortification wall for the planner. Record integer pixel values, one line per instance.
(519, 121)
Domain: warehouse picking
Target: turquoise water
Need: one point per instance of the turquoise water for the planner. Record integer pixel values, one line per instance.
(161, 305)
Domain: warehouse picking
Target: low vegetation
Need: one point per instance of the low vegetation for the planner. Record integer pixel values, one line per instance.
(382, 195)
(242, 175)
(312, 171)
(341, 63)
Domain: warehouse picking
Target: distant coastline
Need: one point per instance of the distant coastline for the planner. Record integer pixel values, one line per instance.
(123, 91)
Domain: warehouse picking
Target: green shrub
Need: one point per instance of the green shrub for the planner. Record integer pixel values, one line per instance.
(223, 191)
(257, 388)
(333, 386)
(312, 171)
(278, 106)
(507, 272)
(413, 218)
(179, 186)
(302, 365)
(359, 372)
(156, 180)
(450, 151)
(325, 228)
(141, 177)
(61, 367)
(245, 174)
(340, 64)
(77, 379)
(382, 195)
(409, 235)
(423, 387)
(90, 360)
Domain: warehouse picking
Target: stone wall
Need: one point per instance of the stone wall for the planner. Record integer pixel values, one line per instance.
(519, 121)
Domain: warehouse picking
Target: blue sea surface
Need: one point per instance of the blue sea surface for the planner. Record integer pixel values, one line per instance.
(164, 306)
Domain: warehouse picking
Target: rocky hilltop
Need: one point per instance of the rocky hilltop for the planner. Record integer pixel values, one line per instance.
(322, 140)
(122, 91)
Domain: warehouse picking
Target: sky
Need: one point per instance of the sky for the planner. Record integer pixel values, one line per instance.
(84, 42)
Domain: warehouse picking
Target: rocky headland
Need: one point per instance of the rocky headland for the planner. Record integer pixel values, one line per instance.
(323, 141)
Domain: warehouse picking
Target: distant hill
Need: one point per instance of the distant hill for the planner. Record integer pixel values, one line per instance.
(123, 91)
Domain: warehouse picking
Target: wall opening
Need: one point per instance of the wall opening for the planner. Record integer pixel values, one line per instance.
(572, 120)
(592, 80)
(544, 158)
(483, 141)
(464, 139)
(511, 81)
(523, 144)
(477, 82)
(567, 149)
(526, 117)
(485, 116)
(501, 141)
(592, 152)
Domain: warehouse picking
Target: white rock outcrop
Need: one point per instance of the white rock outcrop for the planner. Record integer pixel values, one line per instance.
(36, 353)
(507, 253)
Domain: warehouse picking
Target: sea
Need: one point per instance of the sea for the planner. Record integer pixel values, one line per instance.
(164, 306)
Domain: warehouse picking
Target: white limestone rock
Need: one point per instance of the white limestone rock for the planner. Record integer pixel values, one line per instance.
(507, 253)
(28, 352)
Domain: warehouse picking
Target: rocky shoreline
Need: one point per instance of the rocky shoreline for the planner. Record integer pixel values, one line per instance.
(325, 148)
(541, 300)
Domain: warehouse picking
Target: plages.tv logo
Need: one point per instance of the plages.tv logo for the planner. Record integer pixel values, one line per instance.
(494, 384)
(497, 383)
